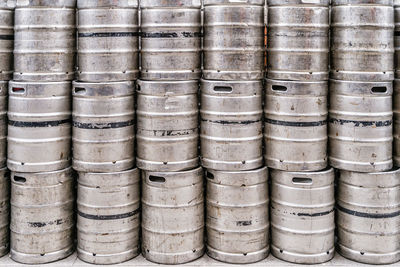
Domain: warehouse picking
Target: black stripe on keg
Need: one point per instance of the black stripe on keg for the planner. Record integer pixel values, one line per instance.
(170, 34)
(368, 215)
(232, 122)
(107, 34)
(318, 214)
(362, 123)
(109, 125)
(297, 124)
(34, 124)
(108, 217)
(6, 37)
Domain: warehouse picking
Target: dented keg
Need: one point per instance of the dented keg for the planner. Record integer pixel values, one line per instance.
(39, 126)
(3, 122)
(368, 216)
(231, 125)
(296, 130)
(103, 126)
(172, 216)
(360, 126)
(108, 216)
(237, 215)
(298, 40)
(42, 216)
(44, 48)
(171, 39)
(167, 125)
(362, 40)
(302, 216)
(6, 39)
(108, 40)
(233, 40)
(4, 211)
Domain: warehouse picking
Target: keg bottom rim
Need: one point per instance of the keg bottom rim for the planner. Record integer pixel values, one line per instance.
(41, 258)
(300, 76)
(368, 257)
(107, 259)
(38, 167)
(101, 77)
(166, 75)
(298, 258)
(96, 167)
(173, 258)
(354, 76)
(238, 258)
(173, 166)
(357, 166)
(232, 75)
(43, 77)
(296, 166)
(232, 165)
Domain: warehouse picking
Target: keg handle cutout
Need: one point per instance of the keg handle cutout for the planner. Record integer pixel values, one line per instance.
(19, 179)
(138, 88)
(210, 175)
(80, 90)
(302, 181)
(379, 90)
(18, 90)
(279, 88)
(156, 179)
(223, 89)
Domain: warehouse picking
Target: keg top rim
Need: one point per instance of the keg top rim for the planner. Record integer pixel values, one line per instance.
(234, 2)
(299, 2)
(362, 2)
(107, 4)
(46, 3)
(170, 3)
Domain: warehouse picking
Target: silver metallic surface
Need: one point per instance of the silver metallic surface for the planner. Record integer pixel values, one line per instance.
(397, 36)
(4, 211)
(396, 122)
(3, 122)
(6, 40)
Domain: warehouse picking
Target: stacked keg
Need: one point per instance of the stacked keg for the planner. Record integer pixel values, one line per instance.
(295, 134)
(237, 220)
(103, 139)
(167, 131)
(360, 131)
(39, 131)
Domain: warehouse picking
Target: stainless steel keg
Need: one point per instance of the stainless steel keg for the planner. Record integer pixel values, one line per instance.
(103, 126)
(231, 125)
(397, 36)
(108, 216)
(396, 122)
(6, 39)
(39, 126)
(172, 216)
(167, 125)
(3, 122)
(302, 216)
(237, 215)
(368, 216)
(360, 125)
(296, 132)
(4, 211)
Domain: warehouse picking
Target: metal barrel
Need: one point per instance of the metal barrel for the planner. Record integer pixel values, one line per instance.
(296, 130)
(368, 216)
(302, 216)
(396, 123)
(108, 40)
(397, 36)
(298, 40)
(4, 211)
(233, 40)
(103, 126)
(170, 39)
(39, 126)
(6, 39)
(108, 216)
(44, 46)
(231, 125)
(167, 125)
(237, 215)
(42, 216)
(362, 40)
(360, 126)
(3, 123)
(172, 216)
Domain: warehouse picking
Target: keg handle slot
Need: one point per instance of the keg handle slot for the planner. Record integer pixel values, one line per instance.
(138, 87)
(80, 90)
(302, 181)
(223, 89)
(279, 88)
(210, 175)
(18, 90)
(156, 179)
(379, 89)
(19, 179)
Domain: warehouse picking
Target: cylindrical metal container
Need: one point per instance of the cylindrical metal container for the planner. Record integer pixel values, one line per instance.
(360, 126)
(3, 123)
(171, 39)
(44, 48)
(396, 123)
(397, 36)
(167, 125)
(296, 132)
(6, 39)
(362, 40)
(237, 215)
(172, 216)
(108, 40)
(39, 126)
(302, 216)
(233, 40)
(231, 125)
(42, 216)
(368, 216)
(103, 135)
(298, 40)
(108, 216)
(4, 211)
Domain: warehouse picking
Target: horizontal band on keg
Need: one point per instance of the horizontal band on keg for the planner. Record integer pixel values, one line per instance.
(33, 124)
(297, 124)
(170, 34)
(6, 37)
(232, 122)
(108, 125)
(368, 215)
(108, 217)
(317, 214)
(43, 224)
(162, 133)
(362, 123)
(107, 34)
